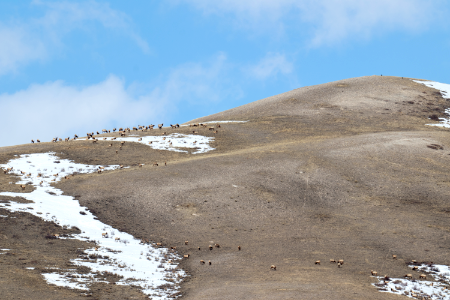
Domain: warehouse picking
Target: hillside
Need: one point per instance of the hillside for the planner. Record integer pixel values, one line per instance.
(344, 170)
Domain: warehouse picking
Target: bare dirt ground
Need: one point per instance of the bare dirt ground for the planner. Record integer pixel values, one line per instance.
(335, 171)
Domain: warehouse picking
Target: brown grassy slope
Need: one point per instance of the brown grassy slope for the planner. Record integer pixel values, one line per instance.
(340, 170)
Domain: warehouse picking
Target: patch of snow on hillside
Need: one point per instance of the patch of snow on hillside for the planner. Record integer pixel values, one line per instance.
(214, 122)
(421, 289)
(445, 92)
(172, 142)
(139, 264)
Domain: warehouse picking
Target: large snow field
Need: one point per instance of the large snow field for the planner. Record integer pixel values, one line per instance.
(445, 92)
(141, 265)
(420, 289)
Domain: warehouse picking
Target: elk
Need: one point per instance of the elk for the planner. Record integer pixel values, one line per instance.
(415, 267)
(104, 235)
(114, 130)
(38, 141)
(198, 248)
(139, 139)
(202, 262)
(159, 244)
(110, 145)
(122, 142)
(120, 129)
(332, 260)
(165, 163)
(140, 165)
(341, 261)
(209, 262)
(150, 143)
(374, 273)
(394, 256)
(66, 139)
(186, 242)
(60, 139)
(134, 128)
(408, 276)
(23, 186)
(211, 128)
(32, 141)
(423, 276)
(121, 166)
(339, 264)
(186, 256)
(317, 262)
(239, 248)
(155, 164)
(98, 132)
(273, 267)
(217, 245)
(160, 126)
(216, 131)
(117, 152)
(113, 139)
(210, 247)
(104, 131)
(104, 139)
(117, 239)
(94, 141)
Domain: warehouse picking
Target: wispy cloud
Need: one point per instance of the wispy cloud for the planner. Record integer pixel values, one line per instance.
(327, 21)
(26, 41)
(270, 66)
(63, 17)
(18, 47)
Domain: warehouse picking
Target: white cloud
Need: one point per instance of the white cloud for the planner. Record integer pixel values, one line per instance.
(44, 111)
(54, 109)
(328, 21)
(270, 66)
(36, 39)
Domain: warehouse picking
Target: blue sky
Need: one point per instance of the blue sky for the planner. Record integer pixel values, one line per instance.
(79, 66)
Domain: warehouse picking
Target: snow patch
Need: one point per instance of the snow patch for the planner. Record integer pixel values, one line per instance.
(445, 92)
(172, 142)
(421, 289)
(139, 264)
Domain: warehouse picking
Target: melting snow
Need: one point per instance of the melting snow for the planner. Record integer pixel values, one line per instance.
(421, 289)
(211, 122)
(140, 265)
(171, 142)
(445, 92)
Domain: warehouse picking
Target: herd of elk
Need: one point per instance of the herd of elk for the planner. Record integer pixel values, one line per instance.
(122, 131)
